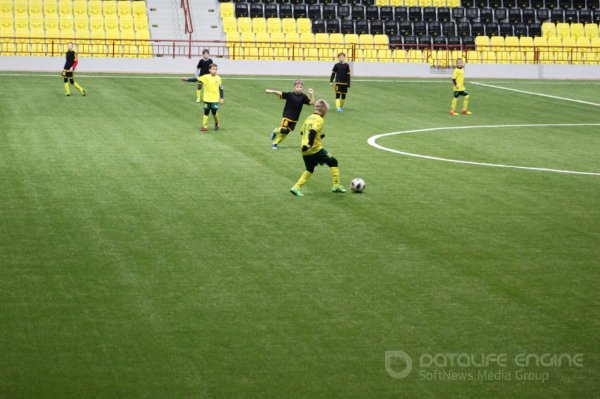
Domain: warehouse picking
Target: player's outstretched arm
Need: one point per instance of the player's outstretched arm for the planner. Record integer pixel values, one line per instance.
(311, 96)
(194, 79)
(277, 92)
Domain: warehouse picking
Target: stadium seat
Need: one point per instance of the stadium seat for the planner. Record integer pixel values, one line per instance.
(227, 9)
(126, 23)
(111, 23)
(97, 23)
(109, 7)
(273, 25)
(381, 41)
(322, 40)
(563, 30)
(512, 43)
(288, 25)
(64, 8)
(50, 7)
(139, 8)
(232, 39)
(141, 24)
(244, 24)
(548, 29)
(577, 30)
(263, 39)
(124, 8)
(337, 41)
(307, 39)
(95, 7)
(229, 24)
(292, 39)
(591, 31)
(248, 39)
(82, 24)
(259, 25)
(277, 39)
(304, 25)
(497, 43)
(482, 43)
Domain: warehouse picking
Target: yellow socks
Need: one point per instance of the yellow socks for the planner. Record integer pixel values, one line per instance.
(335, 175)
(78, 87)
(198, 95)
(67, 90)
(217, 118)
(465, 103)
(280, 137)
(338, 103)
(303, 179)
(205, 121)
(342, 101)
(453, 106)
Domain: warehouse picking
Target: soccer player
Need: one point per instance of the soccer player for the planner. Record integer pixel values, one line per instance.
(458, 80)
(212, 87)
(294, 101)
(69, 69)
(313, 152)
(203, 68)
(341, 73)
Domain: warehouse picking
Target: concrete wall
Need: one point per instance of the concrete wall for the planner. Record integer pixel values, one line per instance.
(185, 66)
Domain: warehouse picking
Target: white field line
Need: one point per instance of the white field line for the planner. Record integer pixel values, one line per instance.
(372, 141)
(537, 94)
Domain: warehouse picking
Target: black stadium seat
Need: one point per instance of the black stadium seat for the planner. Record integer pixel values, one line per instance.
(424, 42)
(414, 13)
(468, 42)
(481, 3)
(458, 13)
(410, 42)
(477, 29)
(500, 14)
(329, 11)
(579, 4)
(300, 11)
(376, 28)
(520, 30)
(537, 4)
(386, 13)
(395, 42)
(529, 15)
(463, 29)
(492, 29)
(318, 26)
(362, 27)
(434, 29)
(449, 28)
(347, 26)
(543, 14)
(405, 28)
(564, 4)
(257, 11)
(551, 4)
(401, 14)
(314, 12)
(439, 42)
(506, 29)
(332, 26)
(444, 14)
(358, 12)
(241, 10)
(344, 12)
(271, 10)
(585, 16)
(535, 29)
(571, 15)
(372, 13)
(429, 14)
(454, 41)
(486, 15)
(285, 11)
(515, 16)
(495, 4)
(420, 28)
(391, 28)
(557, 15)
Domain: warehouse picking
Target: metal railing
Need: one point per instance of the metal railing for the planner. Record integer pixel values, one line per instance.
(440, 56)
(187, 15)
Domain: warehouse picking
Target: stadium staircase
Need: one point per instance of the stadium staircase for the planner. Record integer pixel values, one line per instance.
(432, 31)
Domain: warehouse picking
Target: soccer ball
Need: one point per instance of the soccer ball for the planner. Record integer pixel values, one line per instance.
(358, 185)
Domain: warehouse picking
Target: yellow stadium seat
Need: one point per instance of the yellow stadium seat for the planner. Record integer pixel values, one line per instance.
(326, 54)
(65, 8)
(227, 10)
(248, 39)
(380, 3)
(548, 29)
(51, 21)
(396, 3)
(244, 24)
(273, 25)
(526, 43)
(321, 40)
(411, 3)
(250, 53)
(425, 3)
(139, 8)
(307, 39)
(95, 7)
(50, 7)
(126, 22)
(265, 53)
(516, 57)
(281, 53)
(385, 55)
(337, 41)
(453, 3)
(35, 8)
(6, 7)
(111, 22)
(351, 39)
(540, 42)
(497, 43)
(140, 23)
(415, 56)
(595, 44)
(400, 55)
(563, 29)
(590, 58)
(110, 7)
(36, 22)
(259, 25)
(82, 24)
(381, 41)
(277, 39)
(304, 25)
(97, 23)
(482, 43)
(232, 38)
(554, 42)
(577, 30)
(583, 43)
(66, 22)
(80, 8)
(288, 25)
(512, 43)
(439, 3)
(21, 8)
(473, 57)
(229, 25)
(569, 42)
(293, 39)
(124, 7)
(311, 54)
(488, 57)
(591, 30)
(366, 41)
(263, 39)
(502, 57)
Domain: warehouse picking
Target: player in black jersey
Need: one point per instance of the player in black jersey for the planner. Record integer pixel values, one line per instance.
(341, 73)
(294, 100)
(69, 69)
(202, 68)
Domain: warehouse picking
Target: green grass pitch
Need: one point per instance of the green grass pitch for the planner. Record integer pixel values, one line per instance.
(141, 258)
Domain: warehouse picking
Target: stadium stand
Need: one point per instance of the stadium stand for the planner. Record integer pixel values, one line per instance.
(433, 31)
(97, 28)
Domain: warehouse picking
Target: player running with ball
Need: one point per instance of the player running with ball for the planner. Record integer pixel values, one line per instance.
(313, 152)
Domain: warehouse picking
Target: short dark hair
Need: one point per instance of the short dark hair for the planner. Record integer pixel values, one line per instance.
(205, 51)
(213, 65)
(298, 82)
(340, 54)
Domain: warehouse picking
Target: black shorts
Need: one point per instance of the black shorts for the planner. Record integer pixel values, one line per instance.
(288, 124)
(67, 74)
(320, 158)
(460, 93)
(340, 88)
(214, 106)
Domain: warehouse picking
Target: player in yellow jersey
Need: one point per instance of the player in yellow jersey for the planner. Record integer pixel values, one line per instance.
(212, 95)
(458, 80)
(313, 152)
